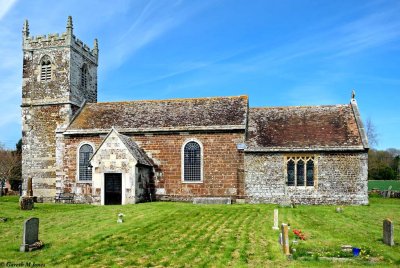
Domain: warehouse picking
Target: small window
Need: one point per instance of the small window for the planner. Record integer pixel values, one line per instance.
(290, 173)
(310, 172)
(85, 152)
(192, 165)
(84, 76)
(300, 171)
(45, 69)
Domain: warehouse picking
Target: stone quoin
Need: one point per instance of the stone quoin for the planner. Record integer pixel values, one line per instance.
(177, 149)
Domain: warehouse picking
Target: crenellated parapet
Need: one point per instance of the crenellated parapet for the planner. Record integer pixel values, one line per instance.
(59, 40)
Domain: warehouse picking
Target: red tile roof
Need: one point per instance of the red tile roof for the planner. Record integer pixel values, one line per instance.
(306, 127)
(210, 113)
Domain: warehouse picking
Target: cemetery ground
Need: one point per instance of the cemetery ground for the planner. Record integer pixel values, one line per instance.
(186, 235)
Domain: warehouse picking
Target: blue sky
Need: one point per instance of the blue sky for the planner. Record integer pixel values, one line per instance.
(278, 53)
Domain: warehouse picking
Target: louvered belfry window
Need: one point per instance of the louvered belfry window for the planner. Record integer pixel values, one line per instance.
(192, 162)
(85, 152)
(45, 69)
(84, 76)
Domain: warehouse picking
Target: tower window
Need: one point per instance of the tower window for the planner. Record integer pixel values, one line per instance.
(84, 76)
(45, 69)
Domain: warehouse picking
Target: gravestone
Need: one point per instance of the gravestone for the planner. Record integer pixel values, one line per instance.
(388, 232)
(276, 220)
(212, 200)
(285, 239)
(26, 203)
(30, 237)
(30, 190)
(389, 192)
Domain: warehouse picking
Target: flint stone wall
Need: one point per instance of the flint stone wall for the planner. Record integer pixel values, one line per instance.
(341, 178)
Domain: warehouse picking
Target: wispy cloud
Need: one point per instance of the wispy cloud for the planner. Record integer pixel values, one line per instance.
(153, 20)
(5, 6)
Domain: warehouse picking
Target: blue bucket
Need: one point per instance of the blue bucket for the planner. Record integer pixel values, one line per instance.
(356, 252)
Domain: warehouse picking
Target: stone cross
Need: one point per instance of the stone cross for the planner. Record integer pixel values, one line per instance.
(30, 190)
(276, 220)
(285, 238)
(388, 232)
(31, 234)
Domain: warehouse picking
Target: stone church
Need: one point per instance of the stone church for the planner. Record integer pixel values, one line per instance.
(177, 149)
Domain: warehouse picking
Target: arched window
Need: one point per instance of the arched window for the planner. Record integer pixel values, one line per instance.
(85, 152)
(84, 76)
(192, 162)
(45, 69)
(300, 170)
(290, 172)
(300, 173)
(310, 172)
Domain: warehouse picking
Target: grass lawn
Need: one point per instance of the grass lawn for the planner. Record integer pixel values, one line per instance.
(185, 235)
(384, 185)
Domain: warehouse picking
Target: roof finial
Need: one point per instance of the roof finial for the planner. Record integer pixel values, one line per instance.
(353, 94)
(70, 26)
(96, 47)
(25, 29)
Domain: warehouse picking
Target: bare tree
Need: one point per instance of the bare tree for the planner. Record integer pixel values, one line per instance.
(372, 135)
(8, 161)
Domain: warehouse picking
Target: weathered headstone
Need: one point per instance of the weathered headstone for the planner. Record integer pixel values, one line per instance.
(388, 232)
(276, 220)
(30, 237)
(26, 203)
(389, 192)
(285, 238)
(30, 190)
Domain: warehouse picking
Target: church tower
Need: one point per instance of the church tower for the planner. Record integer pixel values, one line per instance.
(59, 76)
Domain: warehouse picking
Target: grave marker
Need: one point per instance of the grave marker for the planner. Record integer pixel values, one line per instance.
(30, 237)
(388, 232)
(285, 239)
(276, 220)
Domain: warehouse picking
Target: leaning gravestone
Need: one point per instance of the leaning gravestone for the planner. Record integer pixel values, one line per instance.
(30, 237)
(388, 232)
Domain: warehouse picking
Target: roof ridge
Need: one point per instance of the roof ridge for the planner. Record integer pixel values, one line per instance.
(298, 106)
(176, 99)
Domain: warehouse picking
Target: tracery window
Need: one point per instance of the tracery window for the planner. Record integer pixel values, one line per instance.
(192, 162)
(300, 170)
(45, 69)
(85, 153)
(84, 76)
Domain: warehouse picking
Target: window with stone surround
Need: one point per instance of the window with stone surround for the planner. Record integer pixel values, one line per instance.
(85, 153)
(84, 76)
(192, 162)
(300, 170)
(45, 68)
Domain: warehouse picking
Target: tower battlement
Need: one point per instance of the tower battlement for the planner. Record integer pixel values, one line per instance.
(58, 40)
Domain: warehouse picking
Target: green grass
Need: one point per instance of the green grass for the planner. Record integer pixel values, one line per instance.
(384, 185)
(186, 235)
